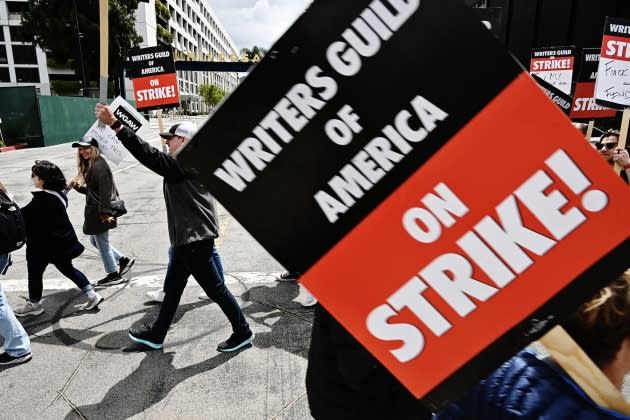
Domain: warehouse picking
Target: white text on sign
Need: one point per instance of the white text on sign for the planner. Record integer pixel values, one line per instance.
(496, 247)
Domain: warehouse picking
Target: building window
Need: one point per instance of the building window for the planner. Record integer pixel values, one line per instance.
(4, 75)
(16, 34)
(3, 55)
(24, 54)
(27, 75)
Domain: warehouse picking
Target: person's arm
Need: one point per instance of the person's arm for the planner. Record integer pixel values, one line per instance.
(622, 158)
(77, 186)
(160, 163)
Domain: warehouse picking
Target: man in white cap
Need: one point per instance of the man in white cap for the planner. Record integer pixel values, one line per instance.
(192, 228)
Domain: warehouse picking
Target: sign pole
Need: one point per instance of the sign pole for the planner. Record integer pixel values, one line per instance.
(161, 128)
(103, 11)
(623, 135)
(589, 130)
(584, 372)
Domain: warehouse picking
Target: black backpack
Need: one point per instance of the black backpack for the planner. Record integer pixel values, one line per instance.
(12, 225)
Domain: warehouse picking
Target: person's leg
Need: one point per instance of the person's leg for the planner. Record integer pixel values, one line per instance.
(101, 242)
(16, 341)
(216, 258)
(66, 268)
(35, 265)
(205, 272)
(176, 278)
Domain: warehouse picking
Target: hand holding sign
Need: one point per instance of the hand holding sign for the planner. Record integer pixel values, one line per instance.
(108, 143)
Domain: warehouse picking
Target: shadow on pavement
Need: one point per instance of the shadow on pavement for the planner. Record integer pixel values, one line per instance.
(148, 384)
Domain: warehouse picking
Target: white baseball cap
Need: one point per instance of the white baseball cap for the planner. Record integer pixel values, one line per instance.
(183, 129)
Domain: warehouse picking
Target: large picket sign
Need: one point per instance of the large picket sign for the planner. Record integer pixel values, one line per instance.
(612, 88)
(555, 66)
(154, 79)
(444, 211)
(584, 106)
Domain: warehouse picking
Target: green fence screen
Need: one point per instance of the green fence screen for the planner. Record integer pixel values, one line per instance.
(19, 115)
(44, 120)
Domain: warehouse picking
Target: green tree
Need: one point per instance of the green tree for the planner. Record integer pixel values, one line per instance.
(51, 24)
(252, 52)
(212, 94)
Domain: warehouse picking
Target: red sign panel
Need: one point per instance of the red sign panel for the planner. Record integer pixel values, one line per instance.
(476, 239)
(158, 91)
(584, 105)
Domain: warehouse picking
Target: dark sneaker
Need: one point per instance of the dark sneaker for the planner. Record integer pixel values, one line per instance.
(236, 341)
(111, 279)
(288, 276)
(6, 360)
(124, 265)
(144, 335)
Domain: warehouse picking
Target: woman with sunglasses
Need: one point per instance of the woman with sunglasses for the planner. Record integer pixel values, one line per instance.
(50, 238)
(99, 190)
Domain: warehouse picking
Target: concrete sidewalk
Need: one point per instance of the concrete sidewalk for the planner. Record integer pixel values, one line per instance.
(85, 366)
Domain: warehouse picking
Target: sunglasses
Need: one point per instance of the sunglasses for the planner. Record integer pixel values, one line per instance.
(608, 146)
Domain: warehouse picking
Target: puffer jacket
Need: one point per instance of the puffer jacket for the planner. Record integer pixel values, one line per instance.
(526, 387)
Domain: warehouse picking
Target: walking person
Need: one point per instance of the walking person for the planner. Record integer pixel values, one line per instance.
(192, 227)
(158, 295)
(17, 346)
(50, 238)
(99, 189)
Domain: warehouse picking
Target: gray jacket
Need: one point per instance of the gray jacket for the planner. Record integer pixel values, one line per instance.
(190, 208)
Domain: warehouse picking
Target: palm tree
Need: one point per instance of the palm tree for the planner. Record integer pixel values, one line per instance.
(250, 53)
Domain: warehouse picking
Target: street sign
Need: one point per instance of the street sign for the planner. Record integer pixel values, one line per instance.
(612, 88)
(154, 79)
(445, 212)
(584, 106)
(554, 65)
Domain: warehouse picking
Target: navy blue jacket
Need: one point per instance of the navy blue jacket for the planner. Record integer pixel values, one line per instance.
(526, 387)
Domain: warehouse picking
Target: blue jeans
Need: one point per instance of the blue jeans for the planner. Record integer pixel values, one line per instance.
(16, 341)
(109, 254)
(196, 259)
(216, 259)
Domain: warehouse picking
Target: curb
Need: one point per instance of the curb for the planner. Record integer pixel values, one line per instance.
(13, 147)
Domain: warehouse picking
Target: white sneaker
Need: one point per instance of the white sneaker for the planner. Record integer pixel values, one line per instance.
(29, 308)
(309, 301)
(93, 303)
(156, 296)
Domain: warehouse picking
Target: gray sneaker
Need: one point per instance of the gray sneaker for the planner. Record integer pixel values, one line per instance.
(29, 308)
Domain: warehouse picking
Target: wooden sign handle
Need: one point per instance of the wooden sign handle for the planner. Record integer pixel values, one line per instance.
(589, 130)
(623, 135)
(103, 12)
(161, 128)
(583, 371)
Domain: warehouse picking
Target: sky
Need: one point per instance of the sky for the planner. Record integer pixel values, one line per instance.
(257, 22)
